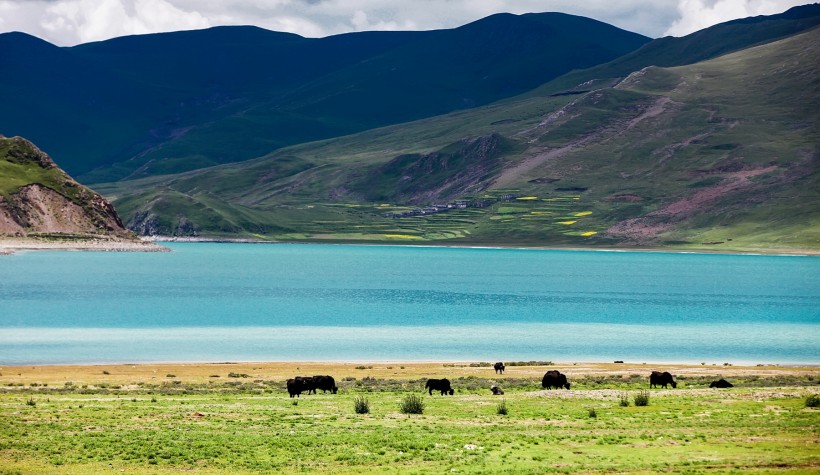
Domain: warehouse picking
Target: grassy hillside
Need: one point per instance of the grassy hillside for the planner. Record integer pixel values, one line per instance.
(165, 103)
(720, 155)
(19, 167)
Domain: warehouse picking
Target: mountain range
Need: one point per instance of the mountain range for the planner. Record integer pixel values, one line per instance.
(163, 103)
(536, 130)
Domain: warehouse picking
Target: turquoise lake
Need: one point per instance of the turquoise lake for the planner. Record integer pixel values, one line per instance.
(312, 302)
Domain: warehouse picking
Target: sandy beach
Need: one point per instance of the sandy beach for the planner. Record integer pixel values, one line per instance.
(132, 374)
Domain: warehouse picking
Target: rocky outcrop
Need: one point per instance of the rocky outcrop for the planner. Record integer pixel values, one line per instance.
(37, 198)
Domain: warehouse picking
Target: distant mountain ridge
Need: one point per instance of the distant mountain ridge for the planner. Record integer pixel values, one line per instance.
(716, 150)
(701, 45)
(170, 102)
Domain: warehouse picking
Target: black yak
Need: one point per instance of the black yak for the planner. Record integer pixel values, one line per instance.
(661, 379)
(554, 379)
(325, 383)
(442, 385)
(499, 367)
(294, 387)
(307, 384)
(497, 391)
(721, 383)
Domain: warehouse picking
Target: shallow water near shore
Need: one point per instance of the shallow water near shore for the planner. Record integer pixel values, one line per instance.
(313, 302)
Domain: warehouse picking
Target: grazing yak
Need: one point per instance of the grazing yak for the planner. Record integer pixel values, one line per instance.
(661, 379)
(554, 379)
(721, 383)
(325, 383)
(307, 384)
(442, 385)
(295, 387)
(499, 367)
(497, 391)
(299, 384)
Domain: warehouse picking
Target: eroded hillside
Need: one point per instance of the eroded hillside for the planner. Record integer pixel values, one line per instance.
(38, 199)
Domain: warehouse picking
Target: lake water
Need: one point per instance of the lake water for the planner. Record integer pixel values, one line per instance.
(288, 302)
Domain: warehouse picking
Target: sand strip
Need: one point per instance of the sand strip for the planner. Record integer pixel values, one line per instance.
(127, 374)
(9, 245)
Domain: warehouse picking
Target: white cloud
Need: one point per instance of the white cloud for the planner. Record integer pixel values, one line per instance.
(698, 14)
(69, 22)
(92, 20)
(360, 22)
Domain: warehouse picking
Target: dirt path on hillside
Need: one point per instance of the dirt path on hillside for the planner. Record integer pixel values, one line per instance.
(656, 109)
(645, 228)
(514, 173)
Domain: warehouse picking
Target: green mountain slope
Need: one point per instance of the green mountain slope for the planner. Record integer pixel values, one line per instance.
(165, 103)
(719, 155)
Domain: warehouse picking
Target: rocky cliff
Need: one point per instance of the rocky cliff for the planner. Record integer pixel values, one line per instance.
(38, 199)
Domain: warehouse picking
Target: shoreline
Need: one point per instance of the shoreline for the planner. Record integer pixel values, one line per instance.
(786, 252)
(133, 373)
(694, 364)
(10, 246)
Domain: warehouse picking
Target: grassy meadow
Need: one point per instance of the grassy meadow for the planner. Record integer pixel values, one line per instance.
(238, 418)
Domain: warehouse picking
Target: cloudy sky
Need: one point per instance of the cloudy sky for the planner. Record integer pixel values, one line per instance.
(69, 22)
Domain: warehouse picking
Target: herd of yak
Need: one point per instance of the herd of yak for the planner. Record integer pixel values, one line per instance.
(552, 379)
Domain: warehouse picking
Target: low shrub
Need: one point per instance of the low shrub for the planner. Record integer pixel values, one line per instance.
(530, 363)
(361, 405)
(412, 404)
(592, 413)
(624, 402)
(642, 398)
(813, 400)
(502, 409)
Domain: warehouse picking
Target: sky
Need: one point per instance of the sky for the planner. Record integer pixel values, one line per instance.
(71, 22)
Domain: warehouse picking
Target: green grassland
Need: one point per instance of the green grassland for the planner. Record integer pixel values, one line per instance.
(239, 425)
